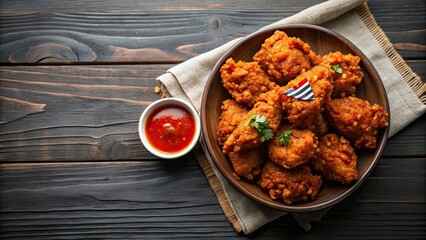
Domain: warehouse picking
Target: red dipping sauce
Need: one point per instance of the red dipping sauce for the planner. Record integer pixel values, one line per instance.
(170, 129)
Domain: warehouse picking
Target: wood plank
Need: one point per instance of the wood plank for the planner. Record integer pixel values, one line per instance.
(409, 142)
(405, 29)
(406, 168)
(37, 32)
(109, 199)
(166, 33)
(419, 67)
(10, 6)
(149, 199)
(91, 113)
(356, 220)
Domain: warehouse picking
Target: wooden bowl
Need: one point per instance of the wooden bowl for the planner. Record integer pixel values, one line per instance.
(322, 41)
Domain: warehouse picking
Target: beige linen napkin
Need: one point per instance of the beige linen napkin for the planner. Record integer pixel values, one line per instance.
(352, 19)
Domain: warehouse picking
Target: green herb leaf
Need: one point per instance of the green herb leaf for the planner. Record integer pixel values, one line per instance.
(284, 137)
(252, 117)
(336, 68)
(266, 134)
(260, 123)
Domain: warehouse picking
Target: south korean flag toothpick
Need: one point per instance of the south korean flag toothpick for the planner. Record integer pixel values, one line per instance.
(302, 90)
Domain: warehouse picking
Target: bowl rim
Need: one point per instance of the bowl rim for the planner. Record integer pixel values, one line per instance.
(276, 204)
(163, 102)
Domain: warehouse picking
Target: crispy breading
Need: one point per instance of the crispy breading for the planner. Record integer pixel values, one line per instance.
(344, 84)
(320, 125)
(303, 113)
(357, 120)
(290, 185)
(335, 159)
(284, 57)
(248, 164)
(247, 137)
(298, 150)
(231, 116)
(245, 81)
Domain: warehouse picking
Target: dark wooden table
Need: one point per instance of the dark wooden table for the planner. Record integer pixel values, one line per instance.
(75, 77)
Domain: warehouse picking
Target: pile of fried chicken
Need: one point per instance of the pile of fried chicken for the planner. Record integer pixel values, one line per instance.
(287, 145)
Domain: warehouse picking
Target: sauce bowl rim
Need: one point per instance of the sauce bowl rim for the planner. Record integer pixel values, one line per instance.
(163, 102)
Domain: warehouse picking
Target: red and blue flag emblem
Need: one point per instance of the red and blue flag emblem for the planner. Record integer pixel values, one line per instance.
(302, 90)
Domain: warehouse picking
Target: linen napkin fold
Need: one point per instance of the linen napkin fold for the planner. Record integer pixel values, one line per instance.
(352, 19)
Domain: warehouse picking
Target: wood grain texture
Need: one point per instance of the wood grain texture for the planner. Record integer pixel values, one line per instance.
(405, 29)
(151, 199)
(37, 32)
(13, 109)
(11, 6)
(172, 33)
(91, 113)
(112, 199)
(410, 142)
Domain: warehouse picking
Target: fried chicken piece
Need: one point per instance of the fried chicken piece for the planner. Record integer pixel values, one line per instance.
(303, 113)
(232, 114)
(248, 164)
(245, 81)
(344, 84)
(335, 159)
(284, 57)
(299, 149)
(290, 185)
(357, 120)
(246, 136)
(320, 126)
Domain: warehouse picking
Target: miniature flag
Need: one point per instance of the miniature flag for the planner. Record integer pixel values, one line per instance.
(302, 90)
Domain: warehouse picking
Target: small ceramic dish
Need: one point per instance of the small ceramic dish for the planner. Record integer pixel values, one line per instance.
(169, 128)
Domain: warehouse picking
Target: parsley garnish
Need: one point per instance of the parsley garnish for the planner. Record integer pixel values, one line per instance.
(336, 68)
(284, 137)
(260, 123)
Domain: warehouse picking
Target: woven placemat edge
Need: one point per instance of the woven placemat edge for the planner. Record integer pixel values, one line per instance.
(412, 79)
